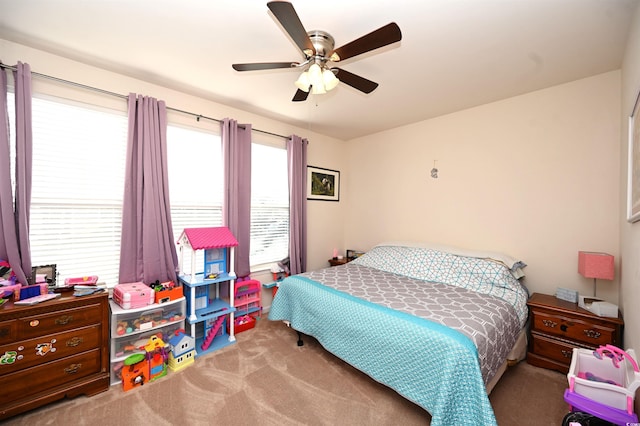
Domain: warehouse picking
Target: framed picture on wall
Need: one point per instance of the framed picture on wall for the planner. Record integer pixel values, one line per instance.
(323, 184)
(633, 183)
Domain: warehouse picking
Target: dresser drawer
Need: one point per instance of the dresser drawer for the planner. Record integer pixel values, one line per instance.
(40, 350)
(8, 331)
(54, 322)
(34, 380)
(590, 333)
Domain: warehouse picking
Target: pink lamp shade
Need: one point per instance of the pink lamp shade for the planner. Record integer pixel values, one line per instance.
(595, 265)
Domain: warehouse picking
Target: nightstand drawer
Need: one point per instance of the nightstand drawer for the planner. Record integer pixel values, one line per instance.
(588, 332)
(554, 349)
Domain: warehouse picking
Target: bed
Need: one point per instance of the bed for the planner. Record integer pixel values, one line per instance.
(437, 324)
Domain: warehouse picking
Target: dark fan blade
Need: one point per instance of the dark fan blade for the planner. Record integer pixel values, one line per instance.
(263, 66)
(290, 21)
(383, 36)
(300, 95)
(355, 81)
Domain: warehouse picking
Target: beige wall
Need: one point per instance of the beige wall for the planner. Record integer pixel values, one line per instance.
(535, 176)
(629, 233)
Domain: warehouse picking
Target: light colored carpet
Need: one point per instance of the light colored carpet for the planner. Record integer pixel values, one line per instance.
(266, 379)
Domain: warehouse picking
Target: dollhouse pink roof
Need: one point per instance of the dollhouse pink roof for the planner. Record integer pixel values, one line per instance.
(209, 238)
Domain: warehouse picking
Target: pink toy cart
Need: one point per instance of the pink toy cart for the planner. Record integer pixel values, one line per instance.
(603, 383)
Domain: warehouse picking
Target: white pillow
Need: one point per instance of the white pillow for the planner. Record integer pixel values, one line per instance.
(513, 264)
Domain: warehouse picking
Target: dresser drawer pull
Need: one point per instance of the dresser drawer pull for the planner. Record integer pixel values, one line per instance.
(74, 341)
(592, 333)
(549, 323)
(73, 368)
(566, 354)
(64, 320)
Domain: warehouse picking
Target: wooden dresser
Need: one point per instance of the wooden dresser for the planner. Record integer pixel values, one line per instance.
(558, 326)
(55, 349)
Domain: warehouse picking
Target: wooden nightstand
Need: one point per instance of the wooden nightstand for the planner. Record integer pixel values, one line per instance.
(336, 262)
(558, 326)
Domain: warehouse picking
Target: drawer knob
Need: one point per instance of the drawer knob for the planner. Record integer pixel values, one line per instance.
(567, 354)
(549, 323)
(64, 320)
(563, 327)
(73, 368)
(592, 333)
(74, 341)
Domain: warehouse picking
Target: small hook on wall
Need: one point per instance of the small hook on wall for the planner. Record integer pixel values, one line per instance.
(434, 171)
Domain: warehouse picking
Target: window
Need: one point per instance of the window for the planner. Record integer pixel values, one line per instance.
(79, 154)
(195, 181)
(77, 187)
(196, 184)
(269, 205)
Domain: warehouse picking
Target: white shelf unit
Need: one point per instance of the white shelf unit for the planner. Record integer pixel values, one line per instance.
(141, 323)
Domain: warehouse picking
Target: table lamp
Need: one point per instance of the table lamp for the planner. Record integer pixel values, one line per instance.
(595, 265)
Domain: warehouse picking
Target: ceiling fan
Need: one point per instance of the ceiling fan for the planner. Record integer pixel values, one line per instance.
(318, 50)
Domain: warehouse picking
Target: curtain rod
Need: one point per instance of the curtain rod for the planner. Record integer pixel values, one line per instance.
(118, 95)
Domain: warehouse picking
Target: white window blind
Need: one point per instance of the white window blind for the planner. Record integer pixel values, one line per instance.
(77, 188)
(79, 155)
(195, 182)
(269, 205)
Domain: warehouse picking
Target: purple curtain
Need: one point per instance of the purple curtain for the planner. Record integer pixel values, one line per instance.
(147, 250)
(297, 163)
(14, 217)
(236, 204)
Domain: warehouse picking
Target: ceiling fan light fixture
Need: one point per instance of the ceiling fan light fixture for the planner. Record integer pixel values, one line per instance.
(315, 75)
(303, 82)
(330, 80)
(318, 89)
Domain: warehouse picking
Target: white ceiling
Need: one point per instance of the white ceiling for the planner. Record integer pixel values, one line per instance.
(454, 54)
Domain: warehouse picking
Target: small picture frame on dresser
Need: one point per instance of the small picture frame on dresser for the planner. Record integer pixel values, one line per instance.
(43, 274)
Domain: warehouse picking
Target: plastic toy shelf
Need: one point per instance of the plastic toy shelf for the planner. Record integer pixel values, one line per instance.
(199, 279)
(209, 293)
(132, 328)
(214, 309)
(208, 312)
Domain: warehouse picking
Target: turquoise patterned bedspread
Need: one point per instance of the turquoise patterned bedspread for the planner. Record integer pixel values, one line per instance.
(428, 363)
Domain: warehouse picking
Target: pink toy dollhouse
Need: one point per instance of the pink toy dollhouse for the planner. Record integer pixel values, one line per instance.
(209, 291)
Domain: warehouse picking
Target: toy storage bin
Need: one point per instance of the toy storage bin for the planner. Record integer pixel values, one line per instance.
(243, 323)
(129, 344)
(606, 379)
(129, 321)
(116, 372)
